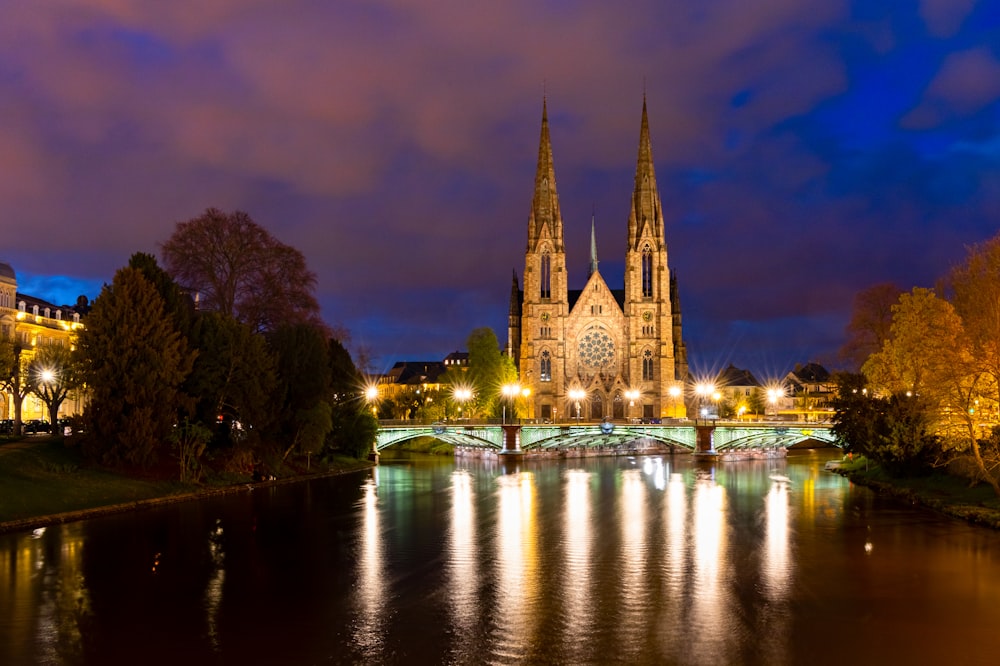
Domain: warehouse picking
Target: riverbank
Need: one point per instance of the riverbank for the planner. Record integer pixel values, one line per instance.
(43, 482)
(941, 492)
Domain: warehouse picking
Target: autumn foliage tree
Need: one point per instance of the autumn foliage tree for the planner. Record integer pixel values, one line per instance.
(942, 359)
(239, 269)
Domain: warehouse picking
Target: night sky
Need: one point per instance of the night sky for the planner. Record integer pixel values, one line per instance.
(805, 149)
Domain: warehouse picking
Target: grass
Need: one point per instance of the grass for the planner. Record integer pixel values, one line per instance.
(943, 492)
(42, 477)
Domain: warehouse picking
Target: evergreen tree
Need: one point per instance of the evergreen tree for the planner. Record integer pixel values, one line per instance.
(134, 361)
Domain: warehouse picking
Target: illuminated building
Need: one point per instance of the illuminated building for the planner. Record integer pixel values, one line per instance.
(623, 348)
(30, 323)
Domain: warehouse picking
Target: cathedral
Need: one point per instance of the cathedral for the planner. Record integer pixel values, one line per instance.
(599, 352)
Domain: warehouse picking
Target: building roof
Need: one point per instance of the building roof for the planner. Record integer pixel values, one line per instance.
(733, 376)
(416, 372)
(6, 271)
(810, 373)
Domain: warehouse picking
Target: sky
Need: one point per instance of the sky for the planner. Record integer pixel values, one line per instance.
(804, 150)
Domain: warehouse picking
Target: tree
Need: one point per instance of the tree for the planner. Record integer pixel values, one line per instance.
(919, 355)
(303, 380)
(238, 269)
(870, 322)
(53, 372)
(353, 427)
(13, 375)
(975, 292)
(134, 361)
(233, 378)
(488, 371)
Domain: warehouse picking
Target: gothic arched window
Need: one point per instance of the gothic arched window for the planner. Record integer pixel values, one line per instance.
(546, 281)
(545, 371)
(647, 272)
(647, 364)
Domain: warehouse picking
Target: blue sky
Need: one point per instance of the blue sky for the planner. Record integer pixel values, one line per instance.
(805, 150)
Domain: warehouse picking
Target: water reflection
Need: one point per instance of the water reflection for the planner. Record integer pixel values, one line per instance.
(213, 590)
(370, 589)
(515, 617)
(774, 616)
(463, 568)
(586, 561)
(712, 607)
(634, 587)
(45, 596)
(578, 618)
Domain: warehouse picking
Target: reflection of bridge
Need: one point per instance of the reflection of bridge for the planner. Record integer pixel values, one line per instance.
(702, 438)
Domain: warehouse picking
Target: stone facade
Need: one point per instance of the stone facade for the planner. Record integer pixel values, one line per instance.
(622, 349)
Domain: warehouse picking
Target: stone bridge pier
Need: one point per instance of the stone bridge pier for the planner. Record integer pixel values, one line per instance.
(705, 439)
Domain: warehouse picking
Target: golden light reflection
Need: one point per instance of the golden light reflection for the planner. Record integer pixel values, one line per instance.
(712, 606)
(213, 590)
(370, 589)
(634, 587)
(517, 566)
(577, 551)
(463, 566)
(676, 547)
(776, 558)
(45, 596)
(675, 565)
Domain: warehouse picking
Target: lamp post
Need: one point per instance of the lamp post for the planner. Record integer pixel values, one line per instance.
(371, 395)
(576, 395)
(632, 395)
(775, 393)
(674, 392)
(509, 391)
(703, 390)
(461, 395)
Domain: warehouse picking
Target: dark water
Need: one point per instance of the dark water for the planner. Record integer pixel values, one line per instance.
(638, 561)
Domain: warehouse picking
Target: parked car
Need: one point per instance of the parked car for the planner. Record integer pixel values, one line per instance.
(7, 427)
(35, 426)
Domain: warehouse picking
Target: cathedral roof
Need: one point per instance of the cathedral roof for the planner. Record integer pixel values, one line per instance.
(574, 296)
(6, 271)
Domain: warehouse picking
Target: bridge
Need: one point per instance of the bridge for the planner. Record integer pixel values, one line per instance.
(701, 437)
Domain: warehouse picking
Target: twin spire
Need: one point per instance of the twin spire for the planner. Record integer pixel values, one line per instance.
(645, 215)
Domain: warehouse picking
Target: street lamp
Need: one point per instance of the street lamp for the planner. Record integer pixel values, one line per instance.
(371, 395)
(632, 395)
(704, 390)
(674, 392)
(775, 393)
(509, 391)
(576, 395)
(462, 395)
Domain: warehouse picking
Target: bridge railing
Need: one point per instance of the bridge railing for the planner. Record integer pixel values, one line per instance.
(412, 423)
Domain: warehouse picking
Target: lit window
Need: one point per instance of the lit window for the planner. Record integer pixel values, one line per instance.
(545, 372)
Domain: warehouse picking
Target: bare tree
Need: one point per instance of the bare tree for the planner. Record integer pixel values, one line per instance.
(239, 269)
(870, 323)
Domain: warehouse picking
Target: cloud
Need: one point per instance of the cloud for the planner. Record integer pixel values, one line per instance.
(966, 82)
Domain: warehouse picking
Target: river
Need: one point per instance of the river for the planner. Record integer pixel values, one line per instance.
(642, 560)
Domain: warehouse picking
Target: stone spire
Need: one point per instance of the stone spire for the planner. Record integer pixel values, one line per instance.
(514, 321)
(593, 248)
(546, 219)
(646, 216)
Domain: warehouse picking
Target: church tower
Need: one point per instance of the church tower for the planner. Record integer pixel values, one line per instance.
(650, 292)
(545, 301)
